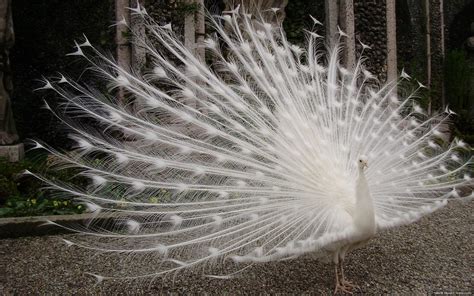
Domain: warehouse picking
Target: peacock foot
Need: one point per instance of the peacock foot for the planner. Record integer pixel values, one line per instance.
(343, 289)
(350, 285)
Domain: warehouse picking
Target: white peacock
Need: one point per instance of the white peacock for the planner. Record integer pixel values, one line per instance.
(271, 152)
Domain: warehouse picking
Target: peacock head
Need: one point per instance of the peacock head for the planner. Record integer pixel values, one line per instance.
(362, 163)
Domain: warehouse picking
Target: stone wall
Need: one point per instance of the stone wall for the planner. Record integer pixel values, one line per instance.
(370, 29)
(410, 38)
(298, 18)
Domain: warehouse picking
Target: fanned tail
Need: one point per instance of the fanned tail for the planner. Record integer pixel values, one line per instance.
(252, 158)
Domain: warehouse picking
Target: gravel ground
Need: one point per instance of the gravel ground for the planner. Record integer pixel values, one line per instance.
(432, 256)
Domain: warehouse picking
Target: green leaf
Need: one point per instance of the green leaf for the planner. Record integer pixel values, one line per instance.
(5, 211)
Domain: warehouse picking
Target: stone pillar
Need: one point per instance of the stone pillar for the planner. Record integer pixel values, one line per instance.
(392, 73)
(443, 51)
(138, 53)
(190, 29)
(331, 8)
(428, 50)
(195, 30)
(346, 23)
(200, 31)
(124, 54)
(436, 24)
(9, 146)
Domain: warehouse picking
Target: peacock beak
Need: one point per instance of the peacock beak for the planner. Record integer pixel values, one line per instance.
(366, 165)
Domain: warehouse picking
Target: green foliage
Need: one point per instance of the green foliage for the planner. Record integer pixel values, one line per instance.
(457, 76)
(22, 195)
(457, 81)
(464, 124)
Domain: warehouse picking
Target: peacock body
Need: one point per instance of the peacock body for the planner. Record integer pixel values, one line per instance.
(270, 152)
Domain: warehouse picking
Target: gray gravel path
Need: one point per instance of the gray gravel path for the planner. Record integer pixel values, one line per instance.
(431, 256)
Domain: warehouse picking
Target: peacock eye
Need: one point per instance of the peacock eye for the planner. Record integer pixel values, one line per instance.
(360, 160)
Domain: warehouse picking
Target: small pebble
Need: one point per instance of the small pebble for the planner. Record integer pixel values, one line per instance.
(430, 257)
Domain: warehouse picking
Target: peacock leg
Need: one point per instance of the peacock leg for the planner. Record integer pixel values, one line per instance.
(337, 277)
(347, 284)
(340, 287)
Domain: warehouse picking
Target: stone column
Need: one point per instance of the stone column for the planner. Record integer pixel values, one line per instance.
(138, 53)
(346, 23)
(9, 146)
(200, 31)
(443, 51)
(428, 50)
(392, 73)
(190, 29)
(436, 13)
(123, 45)
(331, 8)
(124, 52)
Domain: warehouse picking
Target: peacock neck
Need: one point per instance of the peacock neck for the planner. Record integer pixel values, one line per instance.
(364, 216)
(363, 198)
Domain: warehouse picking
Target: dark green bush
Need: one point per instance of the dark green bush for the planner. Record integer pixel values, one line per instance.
(457, 76)
(459, 93)
(22, 195)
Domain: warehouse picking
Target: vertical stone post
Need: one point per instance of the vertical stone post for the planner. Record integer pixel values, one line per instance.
(346, 22)
(331, 8)
(436, 13)
(9, 146)
(190, 30)
(392, 73)
(443, 52)
(200, 31)
(138, 54)
(190, 38)
(124, 52)
(428, 49)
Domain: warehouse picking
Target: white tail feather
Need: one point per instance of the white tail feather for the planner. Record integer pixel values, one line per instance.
(254, 160)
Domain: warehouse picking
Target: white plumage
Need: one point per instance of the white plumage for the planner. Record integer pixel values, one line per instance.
(259, 157)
